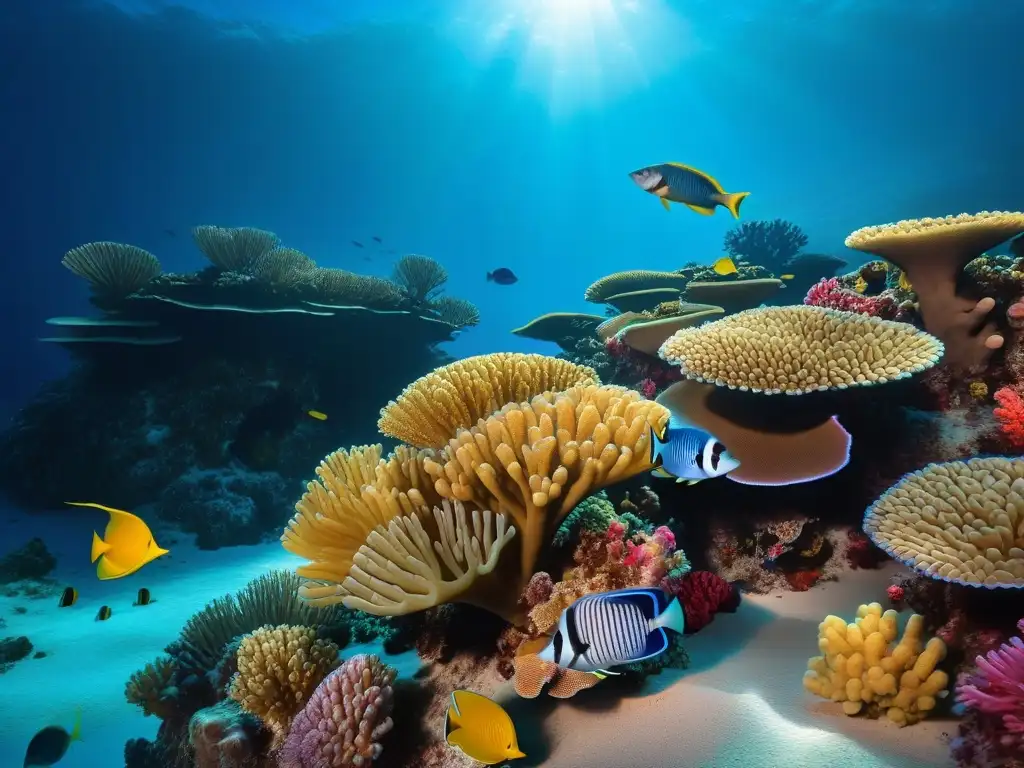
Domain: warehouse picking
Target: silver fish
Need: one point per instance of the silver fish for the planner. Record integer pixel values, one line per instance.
(682, 184)
(689, 454)
(613, 628)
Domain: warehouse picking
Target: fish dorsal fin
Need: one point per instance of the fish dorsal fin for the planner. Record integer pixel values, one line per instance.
(709, 179)
(113, 512)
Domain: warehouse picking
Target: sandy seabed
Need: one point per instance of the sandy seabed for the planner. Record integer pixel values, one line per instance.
(740, 704)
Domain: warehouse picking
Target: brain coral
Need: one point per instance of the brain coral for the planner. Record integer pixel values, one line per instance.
(962, 521)
(800, 349)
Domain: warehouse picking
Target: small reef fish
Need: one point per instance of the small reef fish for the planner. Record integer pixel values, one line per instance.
(614, 628)
(904, 283)
(688, 454)
(725, 266)
(861, 285)
(143, 598)
(377, 240)
(480, 728)
(170, 233)
(357, 244)
(258, 438)
(104, 613)
(680, 183)
(126, 546)
(502, 276)
(318, 415)
(50, 744)
(787, 277)
(68, 597)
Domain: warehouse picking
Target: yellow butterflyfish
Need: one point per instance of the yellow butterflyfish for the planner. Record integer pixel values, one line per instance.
(126, 546)
(684, 184)
(480, 728)
(318, 415)
(787, 277)
(725, 266)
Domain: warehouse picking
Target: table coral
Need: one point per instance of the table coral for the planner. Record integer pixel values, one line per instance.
(860, 669)
(345, 719)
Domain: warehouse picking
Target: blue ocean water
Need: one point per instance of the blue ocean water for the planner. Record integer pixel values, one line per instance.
(483, 133)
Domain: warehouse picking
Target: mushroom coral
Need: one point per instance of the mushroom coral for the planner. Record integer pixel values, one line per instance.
(800, 349)
(933, 254)
(433, 408)
(962, 521)
(631, 281)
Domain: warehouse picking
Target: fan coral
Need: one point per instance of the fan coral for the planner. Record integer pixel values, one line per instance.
(702, 595)
(234, 249)
(858, 668)
(768, 243)
(800, 349)
(345, 719)
(430, 411)
(283, 268)
(1010, 414)
(278, 669)
(455, 311)
(112, 269)
(960, 521)
(830, 294)
(420, 277)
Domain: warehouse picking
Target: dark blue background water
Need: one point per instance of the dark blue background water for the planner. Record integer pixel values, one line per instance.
(461, 130)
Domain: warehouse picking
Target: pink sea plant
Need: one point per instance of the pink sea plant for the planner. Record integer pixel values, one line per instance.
(648, 388)
(997, 688)
(831, 294)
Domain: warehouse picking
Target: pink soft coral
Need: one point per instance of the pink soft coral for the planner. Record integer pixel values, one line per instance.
(831, 294)
(1010, 413)
(998, 689)
(345, 718)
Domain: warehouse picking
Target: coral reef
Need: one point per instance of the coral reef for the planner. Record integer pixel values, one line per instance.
(771, 244)
(31, 561)
(860, 669)
(702, 595)
(223, 736)
(830, 294)
(13, 650)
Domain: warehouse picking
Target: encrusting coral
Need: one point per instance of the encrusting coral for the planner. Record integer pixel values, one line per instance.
(962, 521)
(858, 668)
(800, 349)
(933, 253)
(278, 669)
(344, 720)
(112, 269)
(429, 412)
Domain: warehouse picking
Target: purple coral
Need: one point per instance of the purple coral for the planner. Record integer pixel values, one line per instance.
(345, 718)
(997, 689)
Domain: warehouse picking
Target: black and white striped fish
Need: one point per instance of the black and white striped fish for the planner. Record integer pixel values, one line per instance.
(613, 628)
(683, 184)
(689, 454)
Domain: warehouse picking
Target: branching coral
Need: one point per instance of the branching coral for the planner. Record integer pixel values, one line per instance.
(283, 268)
(537, 460)
(800, 349)
(419, 277)
(1010, 414)
(152, 688)
(768, 243)
(234, 249)
(345, 719)
(112, 269)
(457, 312)
(278, 669)
(830, 294)
(933, 254)
(858, 668)
(962, 521)
(433, 408)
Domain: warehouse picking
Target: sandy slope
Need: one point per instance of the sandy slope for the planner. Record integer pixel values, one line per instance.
(741, 703)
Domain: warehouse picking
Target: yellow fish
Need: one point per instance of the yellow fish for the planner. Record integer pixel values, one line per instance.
(126, 546)
(861, 285)
(904, 283)
(725, 266)
(480, 728)
(787, 277)
(318, 415)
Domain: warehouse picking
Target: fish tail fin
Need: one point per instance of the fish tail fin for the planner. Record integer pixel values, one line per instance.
(99, 547)
(672, 618)
(732, 200)
(76, 729)
(490, 277)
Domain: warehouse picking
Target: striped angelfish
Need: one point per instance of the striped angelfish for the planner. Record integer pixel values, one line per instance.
(689, 454)
(613, 628)
(683, 184)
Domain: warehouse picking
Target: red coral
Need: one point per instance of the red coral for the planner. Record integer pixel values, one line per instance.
(1010, 413)
(648, 388)
(702, 594)
(862, 553)
(801, 581)
(895, 592)
(832, 295)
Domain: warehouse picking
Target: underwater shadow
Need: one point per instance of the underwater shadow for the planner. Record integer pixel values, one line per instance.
(532, 732)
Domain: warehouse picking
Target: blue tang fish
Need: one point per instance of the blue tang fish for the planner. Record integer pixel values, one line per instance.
(688, 454)
(614, 628)
(682, 184)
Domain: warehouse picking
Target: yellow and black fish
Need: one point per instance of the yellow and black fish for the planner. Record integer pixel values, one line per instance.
(683, 184)
(143, 597)
(68, 597)
(104, 613)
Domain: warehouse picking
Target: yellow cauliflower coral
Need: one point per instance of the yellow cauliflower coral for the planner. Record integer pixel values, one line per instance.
(278, 669)
(858, 668)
